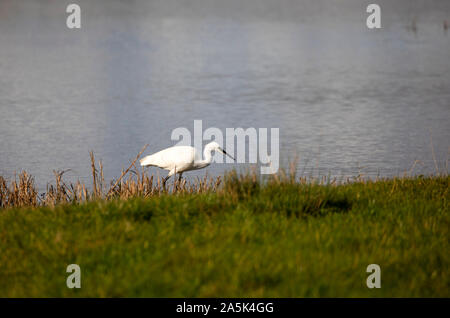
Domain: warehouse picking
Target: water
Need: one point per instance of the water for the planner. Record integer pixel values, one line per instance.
(347, 99)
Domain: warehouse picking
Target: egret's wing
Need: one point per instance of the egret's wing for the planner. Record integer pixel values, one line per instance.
(177, 156)
(174, 157)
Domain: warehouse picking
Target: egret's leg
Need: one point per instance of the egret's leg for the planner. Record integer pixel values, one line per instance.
(178, 182)
(164, 181)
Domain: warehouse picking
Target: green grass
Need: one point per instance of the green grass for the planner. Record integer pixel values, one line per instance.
(248, 240)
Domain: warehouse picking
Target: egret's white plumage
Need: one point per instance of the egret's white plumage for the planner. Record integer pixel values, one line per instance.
(179, 159)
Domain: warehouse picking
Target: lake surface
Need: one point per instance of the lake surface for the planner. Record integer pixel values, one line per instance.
(347, 100)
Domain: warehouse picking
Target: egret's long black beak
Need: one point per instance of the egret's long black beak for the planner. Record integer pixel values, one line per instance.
(225, 153)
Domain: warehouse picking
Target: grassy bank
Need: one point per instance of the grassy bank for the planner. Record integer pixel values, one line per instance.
(281, 239)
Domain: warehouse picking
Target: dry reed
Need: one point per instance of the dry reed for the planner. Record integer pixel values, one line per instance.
(135, 182)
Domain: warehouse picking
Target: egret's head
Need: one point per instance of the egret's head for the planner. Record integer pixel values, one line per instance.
(216, 147)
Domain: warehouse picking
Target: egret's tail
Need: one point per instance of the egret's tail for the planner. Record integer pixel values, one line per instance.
(146, 161)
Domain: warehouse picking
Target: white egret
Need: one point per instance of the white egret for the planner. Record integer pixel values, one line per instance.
(179, 159)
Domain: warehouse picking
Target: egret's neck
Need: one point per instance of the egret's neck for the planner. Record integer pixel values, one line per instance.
(207, 158)
(207, 155)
